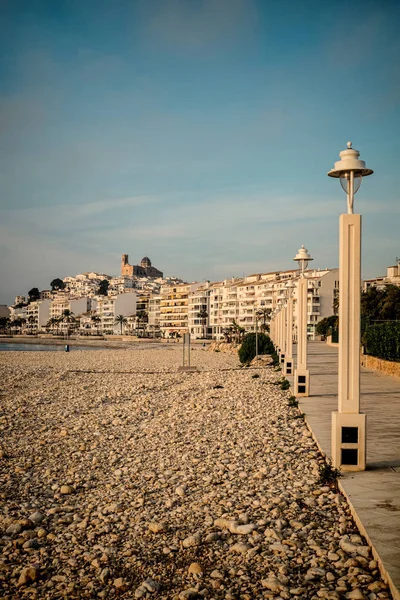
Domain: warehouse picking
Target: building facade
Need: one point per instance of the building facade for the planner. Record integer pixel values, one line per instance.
(145, 269)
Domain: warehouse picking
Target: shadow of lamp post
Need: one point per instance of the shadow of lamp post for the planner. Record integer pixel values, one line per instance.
(348, 424)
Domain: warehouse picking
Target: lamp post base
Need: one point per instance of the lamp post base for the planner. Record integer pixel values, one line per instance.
(288, 366)
(349, 441)
(302, 382)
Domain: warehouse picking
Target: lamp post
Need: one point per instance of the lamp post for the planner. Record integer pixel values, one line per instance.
(348, 424)
(302, 374)
(288, 365)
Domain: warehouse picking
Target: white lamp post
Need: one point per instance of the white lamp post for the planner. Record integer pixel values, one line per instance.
(302, 374)
(288, 365)
(282, 324)
(348, 424)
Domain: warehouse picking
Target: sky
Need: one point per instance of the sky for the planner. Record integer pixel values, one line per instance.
(196, 132)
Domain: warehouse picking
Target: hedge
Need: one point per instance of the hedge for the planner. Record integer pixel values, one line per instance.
(247, 350)
(383, 341)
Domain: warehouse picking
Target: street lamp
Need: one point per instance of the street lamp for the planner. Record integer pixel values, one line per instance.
(302, 374)
(348, 424)
(288, 364)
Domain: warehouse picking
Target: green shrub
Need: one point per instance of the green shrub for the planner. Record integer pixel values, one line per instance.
(285, 385)
(383, 340)
(324, 326)
(247, 350)
(328, 474)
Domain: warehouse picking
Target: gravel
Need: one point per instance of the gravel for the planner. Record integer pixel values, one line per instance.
(122, 477)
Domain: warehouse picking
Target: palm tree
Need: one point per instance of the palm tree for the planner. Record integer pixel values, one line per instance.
(238, 331)
(32, 321)
(121, 320)
(203, 314)
(141, 317)
(95, 320)
(227, 333)
(264, 314)
(67, 316)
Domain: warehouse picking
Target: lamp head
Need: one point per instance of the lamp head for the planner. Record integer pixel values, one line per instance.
(303, 258)
(350, 161)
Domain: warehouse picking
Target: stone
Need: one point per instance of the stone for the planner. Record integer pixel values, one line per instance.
(66, 489)
(28, 575)
(36, 518)
(272, 583)
(240, 548)
(356, 594)
(158, 527)
(195, 568)
(14, 529)
(192, 541)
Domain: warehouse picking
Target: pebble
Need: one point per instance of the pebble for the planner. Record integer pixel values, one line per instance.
(164, 479)
(195, 568)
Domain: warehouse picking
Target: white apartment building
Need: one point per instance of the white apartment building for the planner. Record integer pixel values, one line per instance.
(37, 314)
(77, 306)
(223, 306)
(198, 305)
(154, 313)
(241, 299)
(110, 307)
(174, 306)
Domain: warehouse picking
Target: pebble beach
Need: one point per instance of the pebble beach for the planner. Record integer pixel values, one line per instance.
(121, 477)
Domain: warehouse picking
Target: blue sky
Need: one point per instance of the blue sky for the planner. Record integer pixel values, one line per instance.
(196, 132)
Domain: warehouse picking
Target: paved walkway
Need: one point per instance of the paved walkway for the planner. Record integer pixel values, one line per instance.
(375, 493)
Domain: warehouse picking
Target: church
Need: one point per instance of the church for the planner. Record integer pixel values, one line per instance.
(145, 269)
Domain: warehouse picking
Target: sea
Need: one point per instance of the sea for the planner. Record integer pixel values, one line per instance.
(43, 347)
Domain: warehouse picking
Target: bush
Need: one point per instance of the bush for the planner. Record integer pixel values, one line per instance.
(383, 341)
(324, 326)
(248, 348)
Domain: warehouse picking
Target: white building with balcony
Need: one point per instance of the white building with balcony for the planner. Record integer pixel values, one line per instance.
(110, 307)
(198, 311)
(174, 308)
(37, 315)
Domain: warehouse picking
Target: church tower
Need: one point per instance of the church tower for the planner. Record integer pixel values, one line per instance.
(126, 268)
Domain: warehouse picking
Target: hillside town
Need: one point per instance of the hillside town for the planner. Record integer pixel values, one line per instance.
(142, 302)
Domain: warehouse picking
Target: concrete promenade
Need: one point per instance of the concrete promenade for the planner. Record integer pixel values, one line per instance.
(375, 493)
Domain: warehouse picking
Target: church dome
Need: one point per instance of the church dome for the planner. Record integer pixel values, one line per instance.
(145, 262)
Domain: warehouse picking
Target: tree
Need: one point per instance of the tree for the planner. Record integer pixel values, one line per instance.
(4, 323)
(264, 314)
(238, 331)
(121, 320)
(227, 333)
(95, 320)
(381, 304)
(67, 316)
(32, 321)
(141, 318)
(57, 284)
(203, 314)
(326, 325)
(102, 290)
(33, 294)
(247, 351)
